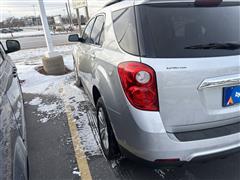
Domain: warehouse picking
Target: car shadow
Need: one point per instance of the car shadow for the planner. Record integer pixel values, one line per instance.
(215, 169)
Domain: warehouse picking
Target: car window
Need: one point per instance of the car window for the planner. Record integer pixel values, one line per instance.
(1, 58)
(2, 52)
(125, 30)
(186, 31)
(87, 31)
(97, 30)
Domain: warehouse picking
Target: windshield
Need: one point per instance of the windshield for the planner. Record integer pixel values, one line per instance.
(176, 31)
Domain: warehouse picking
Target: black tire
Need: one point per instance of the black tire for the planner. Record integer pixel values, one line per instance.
(112, 151)
(28, 170)
(78, 81)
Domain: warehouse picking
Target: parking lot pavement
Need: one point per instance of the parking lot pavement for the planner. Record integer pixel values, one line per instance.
(52, 156)
(39, 41)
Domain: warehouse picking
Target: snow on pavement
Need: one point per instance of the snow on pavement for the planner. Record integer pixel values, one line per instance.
(39, 84)
(36, 101)
(76, 172)
(29, 56)
(26, 33)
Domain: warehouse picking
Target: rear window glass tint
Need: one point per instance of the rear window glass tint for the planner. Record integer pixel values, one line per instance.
(167, 31)
(125, 30)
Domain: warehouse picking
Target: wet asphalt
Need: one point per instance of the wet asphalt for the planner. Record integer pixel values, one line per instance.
(51, 156)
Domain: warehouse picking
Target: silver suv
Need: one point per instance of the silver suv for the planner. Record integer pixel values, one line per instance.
(164, 77)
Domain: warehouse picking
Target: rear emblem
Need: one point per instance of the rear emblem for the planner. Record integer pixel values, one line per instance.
(230, 101)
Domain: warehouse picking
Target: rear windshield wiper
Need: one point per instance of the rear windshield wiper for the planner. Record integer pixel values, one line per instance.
(227, 46)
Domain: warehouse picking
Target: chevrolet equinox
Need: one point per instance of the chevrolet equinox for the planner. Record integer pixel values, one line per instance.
(164, 76)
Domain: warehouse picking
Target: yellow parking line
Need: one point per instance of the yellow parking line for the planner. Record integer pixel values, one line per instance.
(79, 153)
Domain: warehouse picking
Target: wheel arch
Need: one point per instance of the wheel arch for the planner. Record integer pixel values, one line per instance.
(104, 86)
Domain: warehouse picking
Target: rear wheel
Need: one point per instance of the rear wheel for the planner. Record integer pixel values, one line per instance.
(107, 139)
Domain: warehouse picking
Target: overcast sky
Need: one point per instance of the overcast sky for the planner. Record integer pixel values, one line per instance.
(19, 8)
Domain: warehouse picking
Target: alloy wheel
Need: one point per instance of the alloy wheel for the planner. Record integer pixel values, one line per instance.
(103, 131)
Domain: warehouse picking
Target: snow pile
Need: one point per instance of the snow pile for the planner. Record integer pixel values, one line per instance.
(80, 107)
(63, 88)
(50, 111)
(36, 83)
(36, 101)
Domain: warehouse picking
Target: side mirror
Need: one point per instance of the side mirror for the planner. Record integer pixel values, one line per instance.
(75, 38)
(12, 46)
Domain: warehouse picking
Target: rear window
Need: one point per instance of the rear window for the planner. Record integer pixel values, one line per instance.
(188, 31)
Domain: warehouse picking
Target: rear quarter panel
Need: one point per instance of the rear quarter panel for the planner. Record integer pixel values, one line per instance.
(105, 77)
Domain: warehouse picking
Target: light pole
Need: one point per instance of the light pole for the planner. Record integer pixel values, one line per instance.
(46, 30)
(70, 13)
(52, 63)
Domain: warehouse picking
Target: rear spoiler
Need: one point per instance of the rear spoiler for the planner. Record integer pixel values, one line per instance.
(207, 3)
(112, 2)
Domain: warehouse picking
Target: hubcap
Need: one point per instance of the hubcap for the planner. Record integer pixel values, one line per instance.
(103, 128)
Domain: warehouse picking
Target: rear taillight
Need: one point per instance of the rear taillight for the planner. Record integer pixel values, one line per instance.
(208, 3)
(139, 84)
(167, 161)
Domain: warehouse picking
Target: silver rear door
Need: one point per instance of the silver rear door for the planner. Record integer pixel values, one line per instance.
(191, 91)
(195, 53)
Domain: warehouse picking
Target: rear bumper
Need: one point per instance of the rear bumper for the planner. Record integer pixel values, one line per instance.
(145, 137)
(162, 147)
(216, 155)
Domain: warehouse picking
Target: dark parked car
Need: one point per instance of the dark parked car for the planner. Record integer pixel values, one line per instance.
(13, 147)
(16, 29)
(6, 31)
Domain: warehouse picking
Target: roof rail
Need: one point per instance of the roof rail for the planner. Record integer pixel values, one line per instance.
(112, 2)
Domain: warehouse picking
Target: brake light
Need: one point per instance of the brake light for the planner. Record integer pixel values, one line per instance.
(207, 3)
(139, 84)
(167, 160)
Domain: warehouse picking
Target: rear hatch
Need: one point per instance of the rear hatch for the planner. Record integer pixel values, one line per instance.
(195, 53)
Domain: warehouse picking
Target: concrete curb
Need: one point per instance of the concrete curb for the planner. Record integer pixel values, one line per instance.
(53, 65)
